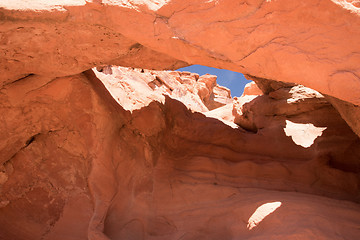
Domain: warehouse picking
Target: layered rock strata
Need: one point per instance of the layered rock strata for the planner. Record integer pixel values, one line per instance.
(311, 43)
(77, 165)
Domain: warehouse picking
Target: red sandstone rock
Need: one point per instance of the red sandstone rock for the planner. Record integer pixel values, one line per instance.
(134, 89)
(76, 165)
(291, 41)
(252, 89)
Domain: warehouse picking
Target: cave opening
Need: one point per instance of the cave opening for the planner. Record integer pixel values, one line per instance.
(97, 143)
(234, 81)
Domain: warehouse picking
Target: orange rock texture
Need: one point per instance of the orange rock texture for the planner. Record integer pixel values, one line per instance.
(311, 43)
(77, 165)
(307, 42)
(89, 150)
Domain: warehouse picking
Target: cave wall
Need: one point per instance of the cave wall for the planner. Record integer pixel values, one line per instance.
(76, 165)
(311, 43)
(307, 42)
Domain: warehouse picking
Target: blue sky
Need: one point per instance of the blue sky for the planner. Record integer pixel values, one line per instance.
(233, 80)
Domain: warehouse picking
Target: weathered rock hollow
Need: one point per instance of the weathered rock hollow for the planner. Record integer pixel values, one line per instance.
(122, 153)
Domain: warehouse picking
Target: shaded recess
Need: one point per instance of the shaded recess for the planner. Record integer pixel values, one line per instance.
(76, 164)
(80, 166)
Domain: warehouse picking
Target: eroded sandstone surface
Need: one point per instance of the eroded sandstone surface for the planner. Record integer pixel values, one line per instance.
(89, 150)
(313, 43)
(77, 165)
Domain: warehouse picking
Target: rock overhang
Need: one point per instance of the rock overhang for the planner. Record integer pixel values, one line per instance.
(95, 167)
